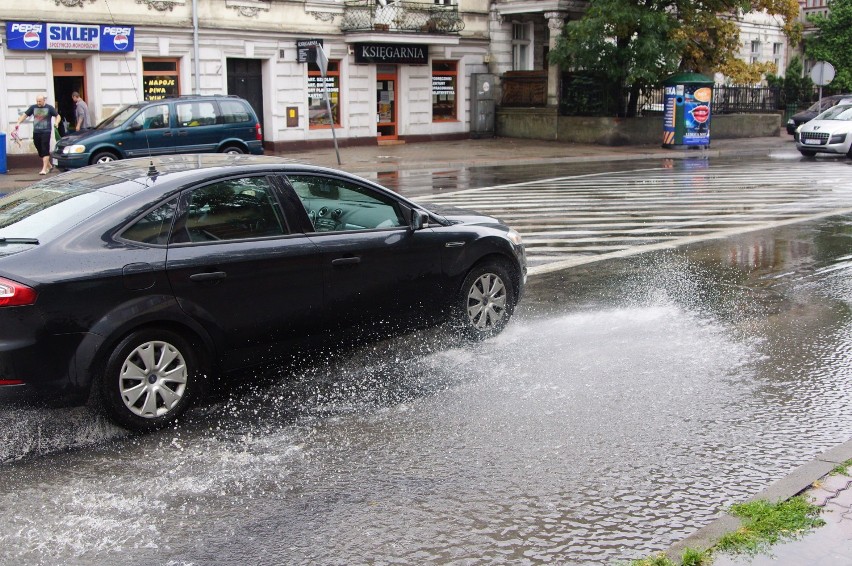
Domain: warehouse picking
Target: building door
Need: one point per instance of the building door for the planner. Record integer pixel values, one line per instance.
(245, 79)
(386, 110)
(69, 75)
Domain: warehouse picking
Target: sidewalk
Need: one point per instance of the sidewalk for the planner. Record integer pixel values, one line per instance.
(831, 544)
(480, 153)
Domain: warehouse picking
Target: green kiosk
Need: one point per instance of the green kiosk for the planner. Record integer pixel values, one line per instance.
(686, 122)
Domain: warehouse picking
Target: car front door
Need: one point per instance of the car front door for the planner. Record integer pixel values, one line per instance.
(378, 272)
(237, 268)
(148, 133)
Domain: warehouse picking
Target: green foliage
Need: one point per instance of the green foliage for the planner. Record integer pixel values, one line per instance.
(767, 523)
(638, 43)
(831, 42)
(841, 469)
(797, 88)
(690, 557)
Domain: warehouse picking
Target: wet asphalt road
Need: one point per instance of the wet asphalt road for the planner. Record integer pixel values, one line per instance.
(628, 402)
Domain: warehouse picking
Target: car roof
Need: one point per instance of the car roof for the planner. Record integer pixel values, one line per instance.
(172, 172)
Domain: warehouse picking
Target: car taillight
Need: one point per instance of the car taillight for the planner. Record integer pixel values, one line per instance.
(14, 294)
(258, 132)
(11, 382)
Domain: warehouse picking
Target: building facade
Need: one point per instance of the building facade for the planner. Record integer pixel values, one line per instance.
(396, 70)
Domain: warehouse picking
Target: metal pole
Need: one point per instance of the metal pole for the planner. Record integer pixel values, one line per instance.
(195, 50)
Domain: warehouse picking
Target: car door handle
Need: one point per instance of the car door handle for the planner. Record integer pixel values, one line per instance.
(346, 261)
(202, 277)
(167, 134)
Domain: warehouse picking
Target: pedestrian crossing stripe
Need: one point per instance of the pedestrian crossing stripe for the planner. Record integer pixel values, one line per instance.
(584, 218)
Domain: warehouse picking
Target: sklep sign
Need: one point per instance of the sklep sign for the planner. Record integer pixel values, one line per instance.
(38, 36)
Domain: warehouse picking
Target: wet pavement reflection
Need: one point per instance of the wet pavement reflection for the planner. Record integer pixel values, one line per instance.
(628, 403)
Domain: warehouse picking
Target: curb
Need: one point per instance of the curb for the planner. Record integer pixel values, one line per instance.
(796, 482)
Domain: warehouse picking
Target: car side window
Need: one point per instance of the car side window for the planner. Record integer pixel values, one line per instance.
(334, 204)
(153, 228)
(197, 113)
(153, 118)
(233, 112)
(234, 209)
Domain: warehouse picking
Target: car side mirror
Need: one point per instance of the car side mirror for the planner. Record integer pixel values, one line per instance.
(134, 127)
(419, 219)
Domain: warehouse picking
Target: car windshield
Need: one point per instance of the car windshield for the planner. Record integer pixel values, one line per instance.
(42, 211)
(841, 112)
(118, 118)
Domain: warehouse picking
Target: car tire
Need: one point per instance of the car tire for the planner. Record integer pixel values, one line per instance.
(807, 152)
(150, 379)
(103, 157)
(233, 150)
(485, 302)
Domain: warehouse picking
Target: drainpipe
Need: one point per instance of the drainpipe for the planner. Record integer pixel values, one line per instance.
(196, 63)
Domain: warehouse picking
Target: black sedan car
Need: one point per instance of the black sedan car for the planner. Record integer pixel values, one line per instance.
(133, 283)
(806, 116)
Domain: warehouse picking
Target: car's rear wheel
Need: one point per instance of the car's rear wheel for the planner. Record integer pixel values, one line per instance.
(485, 302)
(233, 150)
(807, 152)
(103, 157)
(150, 379)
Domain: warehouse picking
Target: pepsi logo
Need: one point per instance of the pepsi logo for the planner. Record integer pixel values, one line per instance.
(32, 39)
(120, 42)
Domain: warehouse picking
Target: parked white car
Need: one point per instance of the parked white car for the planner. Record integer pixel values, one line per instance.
(829, 132)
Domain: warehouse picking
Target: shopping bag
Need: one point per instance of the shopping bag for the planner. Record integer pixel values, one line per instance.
(56, 135)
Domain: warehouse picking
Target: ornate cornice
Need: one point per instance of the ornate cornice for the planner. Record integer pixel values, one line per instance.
(323, 16)
(73, 3)
(248, 8)
(161, 5)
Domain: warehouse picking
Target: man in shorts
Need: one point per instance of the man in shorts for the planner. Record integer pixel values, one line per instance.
(45, 118)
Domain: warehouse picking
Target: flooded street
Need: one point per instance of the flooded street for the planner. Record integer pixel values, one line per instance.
(625, 406)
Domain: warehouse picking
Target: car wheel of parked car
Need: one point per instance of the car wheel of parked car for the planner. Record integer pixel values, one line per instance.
(150, 379)
(486, 301)
(103, 157)
(233, 150)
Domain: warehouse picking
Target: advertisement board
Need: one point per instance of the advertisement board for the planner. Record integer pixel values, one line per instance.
(40, 36)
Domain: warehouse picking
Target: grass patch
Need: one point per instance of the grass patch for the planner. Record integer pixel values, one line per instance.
(690, 557)
(841, 469)
(768, 523)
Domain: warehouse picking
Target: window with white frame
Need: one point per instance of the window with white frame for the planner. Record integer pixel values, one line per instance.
(777, 50)
(522, 36)
(755, 51)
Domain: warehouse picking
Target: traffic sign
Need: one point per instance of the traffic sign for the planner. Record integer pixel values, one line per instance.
(822, 73)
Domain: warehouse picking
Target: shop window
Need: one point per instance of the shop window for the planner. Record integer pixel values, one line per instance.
(317, 108)
(160, 78)
(444, 90)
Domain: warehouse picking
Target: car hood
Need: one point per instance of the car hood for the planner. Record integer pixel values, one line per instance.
(71, 139)
(458, 215)
(804, 116)
(828, 126)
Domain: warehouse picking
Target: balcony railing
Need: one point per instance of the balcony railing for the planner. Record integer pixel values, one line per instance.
(367, 15)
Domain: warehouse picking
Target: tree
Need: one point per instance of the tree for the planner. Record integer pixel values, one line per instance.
(638, 42)
(831, 42)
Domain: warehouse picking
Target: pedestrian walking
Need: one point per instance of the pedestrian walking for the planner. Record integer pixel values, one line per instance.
(81, 113)
(45, 119)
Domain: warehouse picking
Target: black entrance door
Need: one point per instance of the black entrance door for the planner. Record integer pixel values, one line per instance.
(245, 80)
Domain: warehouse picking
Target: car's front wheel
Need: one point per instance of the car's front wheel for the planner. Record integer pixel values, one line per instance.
(150, 379)
(485, 302)
(807, 152)
(103, 157)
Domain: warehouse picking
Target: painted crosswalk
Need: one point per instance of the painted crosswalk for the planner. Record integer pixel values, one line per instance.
(572, 220)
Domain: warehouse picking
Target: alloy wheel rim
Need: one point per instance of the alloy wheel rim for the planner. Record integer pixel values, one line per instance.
(486, 302)
(153, 379)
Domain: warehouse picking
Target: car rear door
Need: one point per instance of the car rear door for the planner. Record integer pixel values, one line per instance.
(237, 268)
(196, 129)
(377, 272)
